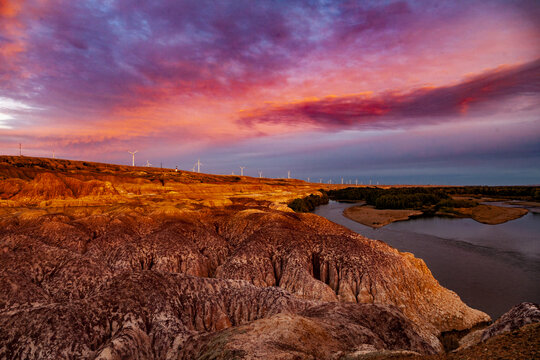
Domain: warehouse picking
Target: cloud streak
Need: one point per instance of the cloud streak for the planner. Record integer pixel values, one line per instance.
(394, 109)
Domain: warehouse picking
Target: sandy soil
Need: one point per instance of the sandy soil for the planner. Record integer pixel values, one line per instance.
(532, 206)
(376, 218)
(490, 214)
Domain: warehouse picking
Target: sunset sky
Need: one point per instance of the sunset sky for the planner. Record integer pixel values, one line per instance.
(417, 92)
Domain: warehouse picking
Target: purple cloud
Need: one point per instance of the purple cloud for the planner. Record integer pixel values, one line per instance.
(421, 106)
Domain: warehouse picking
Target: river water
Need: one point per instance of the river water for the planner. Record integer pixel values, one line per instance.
(491, 267)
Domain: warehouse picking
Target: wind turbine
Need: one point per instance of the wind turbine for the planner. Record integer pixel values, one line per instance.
(320, 180)
(356, 182)
(198, 165)
(307, 179)
(148, 163)
(260, 173)
(133, 157)
(242, 170)
(289, 174)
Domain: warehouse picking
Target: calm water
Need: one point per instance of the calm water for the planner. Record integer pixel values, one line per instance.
(491, 267)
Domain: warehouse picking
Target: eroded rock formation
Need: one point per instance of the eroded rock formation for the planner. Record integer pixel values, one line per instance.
(519, 316)
(116, 262)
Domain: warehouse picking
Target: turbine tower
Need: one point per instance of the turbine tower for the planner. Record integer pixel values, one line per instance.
(307, 179)
(133, 156)
(260, 173)
(198, 165)
(289, 174)
(242, 170)
(356, 182)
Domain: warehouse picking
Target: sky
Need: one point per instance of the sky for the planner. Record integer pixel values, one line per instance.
(392, 92)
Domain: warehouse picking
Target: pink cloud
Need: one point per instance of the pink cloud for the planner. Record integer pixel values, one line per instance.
(395, 109)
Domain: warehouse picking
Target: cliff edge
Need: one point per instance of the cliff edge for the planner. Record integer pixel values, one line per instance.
(108, 261)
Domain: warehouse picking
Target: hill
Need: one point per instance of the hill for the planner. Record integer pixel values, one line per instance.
(108, 262)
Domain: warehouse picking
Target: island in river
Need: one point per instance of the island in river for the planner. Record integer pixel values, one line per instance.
(376, 218)
(486, 214)
(380, 206)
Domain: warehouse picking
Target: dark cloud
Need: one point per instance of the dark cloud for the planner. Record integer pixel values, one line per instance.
(416, 107)
(92, 56)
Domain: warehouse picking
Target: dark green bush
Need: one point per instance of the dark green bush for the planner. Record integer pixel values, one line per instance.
(308, 203)
(394, 198)
(452, 203)
(418, 197)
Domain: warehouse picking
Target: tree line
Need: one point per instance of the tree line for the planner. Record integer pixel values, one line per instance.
(309, 203)
(426, 197)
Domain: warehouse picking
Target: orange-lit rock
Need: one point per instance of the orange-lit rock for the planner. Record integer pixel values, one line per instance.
(108, 261)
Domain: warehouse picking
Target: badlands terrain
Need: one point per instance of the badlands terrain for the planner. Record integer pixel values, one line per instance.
(102, 261)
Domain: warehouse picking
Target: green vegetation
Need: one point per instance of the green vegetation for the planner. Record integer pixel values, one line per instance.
(309, 203)
(394, 198)
(455, 203)
(515, 192)
(433, 198)
(537, 195)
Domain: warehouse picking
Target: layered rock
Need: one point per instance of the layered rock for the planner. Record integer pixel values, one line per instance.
(519, 316)
(154, 269)
(323, 331)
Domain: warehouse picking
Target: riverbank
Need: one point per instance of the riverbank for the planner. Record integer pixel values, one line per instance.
(491, 267)
(486, 214)
(375, 218)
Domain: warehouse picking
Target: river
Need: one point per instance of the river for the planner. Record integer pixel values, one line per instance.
(491, 267)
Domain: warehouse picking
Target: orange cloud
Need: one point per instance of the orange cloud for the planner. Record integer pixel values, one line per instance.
(10, 8)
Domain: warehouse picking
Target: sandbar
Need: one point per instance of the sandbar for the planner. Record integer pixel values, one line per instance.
(375, 218)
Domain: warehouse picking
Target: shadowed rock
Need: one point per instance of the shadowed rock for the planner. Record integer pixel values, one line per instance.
(103, 261)
(320, 332)
(517, 317)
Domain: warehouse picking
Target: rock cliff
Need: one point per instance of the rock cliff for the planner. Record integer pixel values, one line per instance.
(519, 316)
(109, 262)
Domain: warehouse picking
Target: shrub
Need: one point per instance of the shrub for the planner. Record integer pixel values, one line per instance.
(308, 203)
(452, 203)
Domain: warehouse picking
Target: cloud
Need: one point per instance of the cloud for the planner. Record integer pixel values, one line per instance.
(96, 56)
(103, 55)
(394, 109)
(97, 77)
